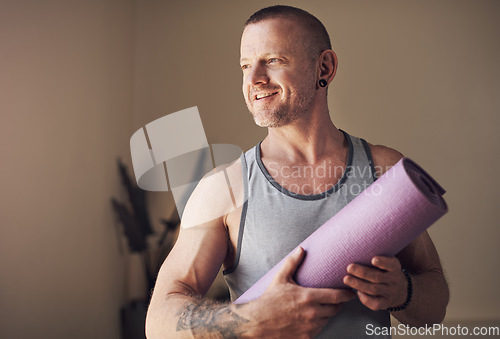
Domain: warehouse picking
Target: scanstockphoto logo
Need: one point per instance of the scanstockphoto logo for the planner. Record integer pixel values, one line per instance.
(438, 330)
(172, 154)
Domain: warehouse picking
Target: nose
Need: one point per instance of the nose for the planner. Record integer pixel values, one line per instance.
(258, 75)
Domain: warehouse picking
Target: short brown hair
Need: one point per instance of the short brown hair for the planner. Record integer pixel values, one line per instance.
(319, 40)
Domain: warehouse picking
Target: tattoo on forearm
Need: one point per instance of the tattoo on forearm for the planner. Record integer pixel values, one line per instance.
(203, 316)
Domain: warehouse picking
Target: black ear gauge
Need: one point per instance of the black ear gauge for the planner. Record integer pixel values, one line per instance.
(323, 83)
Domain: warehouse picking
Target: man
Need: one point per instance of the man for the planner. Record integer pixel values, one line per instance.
(287, 64)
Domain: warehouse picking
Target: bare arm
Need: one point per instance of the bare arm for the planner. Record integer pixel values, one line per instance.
(285, 309)
(386, 286)
(177, 307)
(431, 294)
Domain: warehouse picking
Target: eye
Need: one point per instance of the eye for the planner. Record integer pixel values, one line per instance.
(244, 67)
(273, 60)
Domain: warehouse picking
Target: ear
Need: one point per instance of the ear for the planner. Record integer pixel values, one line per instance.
(327, 65)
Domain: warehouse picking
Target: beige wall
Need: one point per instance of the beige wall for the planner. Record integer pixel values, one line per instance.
(65, 88)
(78, 79)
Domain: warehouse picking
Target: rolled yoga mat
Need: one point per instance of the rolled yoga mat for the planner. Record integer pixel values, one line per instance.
(382, 220)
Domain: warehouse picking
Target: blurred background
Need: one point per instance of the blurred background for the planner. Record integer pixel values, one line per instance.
(78, 78)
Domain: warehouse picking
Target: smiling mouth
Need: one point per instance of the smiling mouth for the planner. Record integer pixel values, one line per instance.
(264, 95)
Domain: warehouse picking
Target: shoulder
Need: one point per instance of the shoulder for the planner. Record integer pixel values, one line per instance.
(218, 193)
(384, 158)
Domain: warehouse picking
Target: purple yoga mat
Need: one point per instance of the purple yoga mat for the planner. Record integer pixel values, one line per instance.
(382, 220)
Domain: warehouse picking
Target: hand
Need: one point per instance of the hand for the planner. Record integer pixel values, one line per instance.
(289, 310)
(381, 286)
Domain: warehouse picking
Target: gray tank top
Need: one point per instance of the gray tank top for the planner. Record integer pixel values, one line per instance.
(275, 220)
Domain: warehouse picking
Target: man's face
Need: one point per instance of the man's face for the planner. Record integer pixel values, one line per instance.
(278, 74)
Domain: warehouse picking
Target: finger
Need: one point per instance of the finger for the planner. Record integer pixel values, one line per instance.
(371, 302)
(330, 296)
(387, 263)
(370, 274)
(364, 286)
(287, 270)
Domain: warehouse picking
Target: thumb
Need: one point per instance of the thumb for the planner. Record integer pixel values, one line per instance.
(290, 265)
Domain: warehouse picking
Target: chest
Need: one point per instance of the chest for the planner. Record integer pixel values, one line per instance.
(306, 179)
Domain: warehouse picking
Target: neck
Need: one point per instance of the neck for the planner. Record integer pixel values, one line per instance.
(307, 140)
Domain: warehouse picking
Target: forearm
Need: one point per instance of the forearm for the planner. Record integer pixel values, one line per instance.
(183, 316)
(284, 310)
(429, 300)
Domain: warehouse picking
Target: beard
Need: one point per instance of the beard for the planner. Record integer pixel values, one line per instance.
(281, 113)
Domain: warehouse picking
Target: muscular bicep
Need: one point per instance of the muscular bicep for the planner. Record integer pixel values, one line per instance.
(420, 255)
(189, 270)
(196, 258)
(203, 240)
(193, 263)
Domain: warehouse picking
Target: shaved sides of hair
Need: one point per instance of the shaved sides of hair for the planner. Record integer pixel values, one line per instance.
(318, 38)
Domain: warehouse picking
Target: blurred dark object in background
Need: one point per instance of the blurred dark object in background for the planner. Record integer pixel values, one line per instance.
(142, 240)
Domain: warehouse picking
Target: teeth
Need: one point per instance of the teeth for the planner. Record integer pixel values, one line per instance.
(260, 96)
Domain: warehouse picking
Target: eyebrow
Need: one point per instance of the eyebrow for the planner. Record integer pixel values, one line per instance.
(266, 55)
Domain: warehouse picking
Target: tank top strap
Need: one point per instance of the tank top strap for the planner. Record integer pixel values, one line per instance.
(362, 159)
